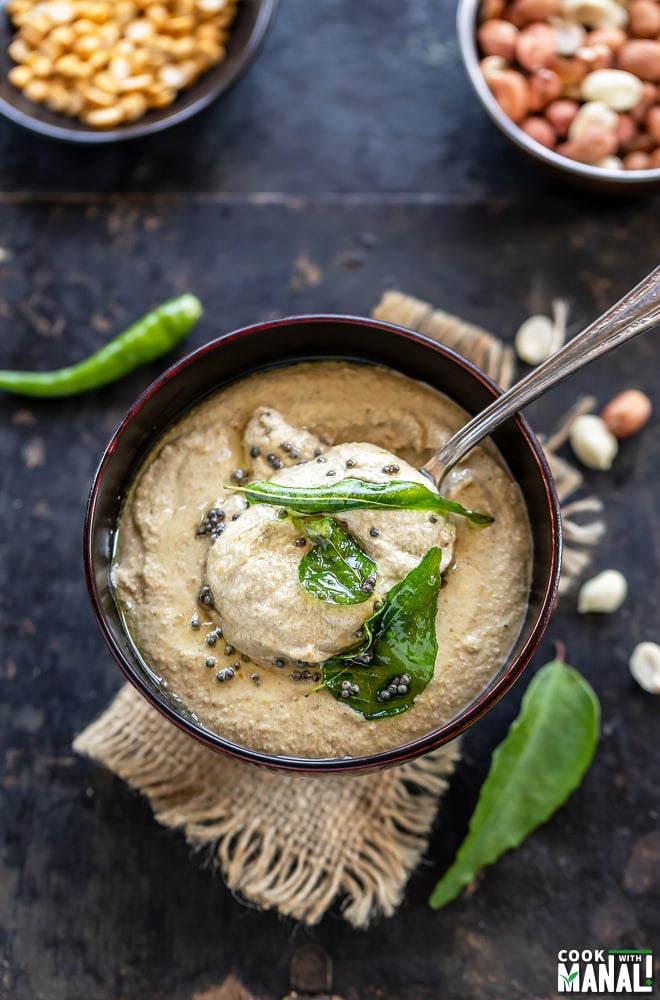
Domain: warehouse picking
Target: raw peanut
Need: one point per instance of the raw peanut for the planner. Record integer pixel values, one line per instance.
(569, 36)
(510, 90)
(610, 163)
(560, 114)
(626, 129)
(641, 57)
(524, 12)
(492, 64)
(627, 413)
(647, 101)
(592, 443)
(594, 113)
(614, 38)
(621, 91)
(642, 142)
(540, 130)
(653, 122)
(644, 18)
(645, 666)
(637, 161)
(544, 86)
(489, 9)
(604, 593)
(596, 13)
(570, 71)
(655, 159)
(596, 56)
(497, 38)
(535, 46)
(592, 145)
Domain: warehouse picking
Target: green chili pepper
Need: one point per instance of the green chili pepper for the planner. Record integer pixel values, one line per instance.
(147, 339)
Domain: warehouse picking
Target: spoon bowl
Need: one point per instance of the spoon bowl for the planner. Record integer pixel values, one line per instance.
(635, 313)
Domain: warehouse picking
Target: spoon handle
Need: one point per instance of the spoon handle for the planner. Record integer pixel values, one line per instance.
(635, 313)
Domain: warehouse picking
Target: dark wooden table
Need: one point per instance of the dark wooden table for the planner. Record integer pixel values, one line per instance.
(355, 146)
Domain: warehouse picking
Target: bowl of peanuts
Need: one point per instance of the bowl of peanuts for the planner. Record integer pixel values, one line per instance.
(95, 71)
(575, 84)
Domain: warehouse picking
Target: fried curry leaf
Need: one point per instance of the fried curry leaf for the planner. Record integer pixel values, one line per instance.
(335, 569)
(398, 651)
(541, 760)
(357, 494)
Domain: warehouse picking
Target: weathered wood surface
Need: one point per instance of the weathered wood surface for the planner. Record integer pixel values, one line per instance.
(384, 174)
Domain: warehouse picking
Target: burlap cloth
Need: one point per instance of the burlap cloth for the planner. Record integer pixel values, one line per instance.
(299, 843)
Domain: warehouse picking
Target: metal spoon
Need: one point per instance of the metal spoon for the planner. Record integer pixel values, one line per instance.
(635, 313)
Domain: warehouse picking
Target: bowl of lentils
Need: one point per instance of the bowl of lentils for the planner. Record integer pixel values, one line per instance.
(93, 71)
(575, 84)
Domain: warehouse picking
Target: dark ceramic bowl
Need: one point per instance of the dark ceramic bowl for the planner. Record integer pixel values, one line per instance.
(581, 174)
(248, 32)
(285, 341)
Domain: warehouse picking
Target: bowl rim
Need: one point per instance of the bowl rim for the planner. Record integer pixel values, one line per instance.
(396, 755)
(466, 25)
(134, 130)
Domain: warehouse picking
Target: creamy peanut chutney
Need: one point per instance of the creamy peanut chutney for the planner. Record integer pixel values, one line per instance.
(205, 585)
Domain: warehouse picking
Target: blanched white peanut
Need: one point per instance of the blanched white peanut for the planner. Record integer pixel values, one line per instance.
(594, 113)
(596, 13)
(492, 64)
(617, 89)
(539, 336)
(591, 146)
(613, 38)
(594, 445)
(645, 666)
(596, 56)
(627, 413)
(569, 36)
(610, 163)
(604, 593)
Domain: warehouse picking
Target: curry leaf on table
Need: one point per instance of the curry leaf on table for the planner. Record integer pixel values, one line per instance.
(357, 494)
(335, 569)
(399, 641)
(539, 763)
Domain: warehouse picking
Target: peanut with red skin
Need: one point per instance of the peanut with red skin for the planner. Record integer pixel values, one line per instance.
(641, 57)
(535, 46)
(642, 142)
(640, 111)
(644, 18)
(497, 38)
(627, 413)
(560, 114)
(626, 129)
(544, 87)
(570, 71)
(492, 8)
(510, 90)
(540, 130)
(655, 159)
(653, 122)
(524, 12)
(637, 160)
(595, 143)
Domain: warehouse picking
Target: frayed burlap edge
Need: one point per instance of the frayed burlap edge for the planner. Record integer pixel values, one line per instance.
(295, 843)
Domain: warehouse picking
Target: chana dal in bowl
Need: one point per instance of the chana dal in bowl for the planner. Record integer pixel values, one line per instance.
(226, 605)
